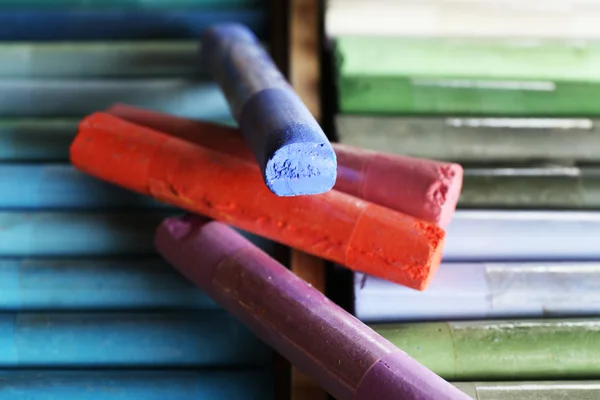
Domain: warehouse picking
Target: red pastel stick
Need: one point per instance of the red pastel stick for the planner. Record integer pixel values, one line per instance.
(425, 189)
(344, 229)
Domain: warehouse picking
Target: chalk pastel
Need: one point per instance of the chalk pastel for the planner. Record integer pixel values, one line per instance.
(480, 290)
(339, 352)
(138, 340)
(505, 76)
(360, 235)
(95, 59)
(292, 151)
(60, 186)
(513, 235)
(36, 139)
(246, 384)
(85, 233)
(425, 189)
(473, 19)
(502, 350)
(532, 187)
(207, 5)
(79, 284)
(531, 390)
(479, 140)
(24, 234)
(77, 97)
(88, 25)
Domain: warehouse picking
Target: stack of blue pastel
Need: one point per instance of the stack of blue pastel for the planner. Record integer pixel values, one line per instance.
(87, 309)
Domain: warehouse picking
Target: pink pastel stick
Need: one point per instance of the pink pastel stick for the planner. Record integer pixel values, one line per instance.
(343, 355)
(425, 189)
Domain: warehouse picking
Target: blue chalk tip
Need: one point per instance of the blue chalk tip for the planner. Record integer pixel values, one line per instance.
(301, 169)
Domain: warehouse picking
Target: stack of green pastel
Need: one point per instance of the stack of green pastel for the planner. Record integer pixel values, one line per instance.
(494, 101)
(522, 115)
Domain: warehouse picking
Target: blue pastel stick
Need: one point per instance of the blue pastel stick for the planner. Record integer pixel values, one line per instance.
(130, 4)
(81, 234)
(104, 340)
(36, 139)
(256, 384)
(61, 186)
(55, 97)
(290, 147)
(79, 25)
(24, 234)
(73, 284)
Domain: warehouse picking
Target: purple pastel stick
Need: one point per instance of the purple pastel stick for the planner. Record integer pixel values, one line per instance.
(347, 358)
(290, 147)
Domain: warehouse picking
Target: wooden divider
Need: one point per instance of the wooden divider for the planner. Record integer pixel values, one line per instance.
(304, 65)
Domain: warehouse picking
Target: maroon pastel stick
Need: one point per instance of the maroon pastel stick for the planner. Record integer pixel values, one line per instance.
(338, 351)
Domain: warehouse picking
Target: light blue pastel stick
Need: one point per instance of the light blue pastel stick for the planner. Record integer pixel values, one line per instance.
(27, 234)
(143, 340)
(255, 384)
(61, 186)
(38, 139)
(50, 98)
(290, 147)
(42, 139)
(24, 234)
(95, 59)
(73, 284)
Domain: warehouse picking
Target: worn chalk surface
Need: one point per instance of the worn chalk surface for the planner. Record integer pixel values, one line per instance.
(290, 147)
(230, 189)
(425, 189)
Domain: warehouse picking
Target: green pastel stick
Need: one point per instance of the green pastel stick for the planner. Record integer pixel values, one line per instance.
(533, 390)
(474, 76)
(543, 187)
(502, 350)
(475, 140)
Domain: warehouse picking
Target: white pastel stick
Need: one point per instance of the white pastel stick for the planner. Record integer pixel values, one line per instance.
(482, 290)
(556, 19)
(494, 235)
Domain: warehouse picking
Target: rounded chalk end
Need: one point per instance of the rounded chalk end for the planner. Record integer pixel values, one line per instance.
(446, 192)
(301, 168)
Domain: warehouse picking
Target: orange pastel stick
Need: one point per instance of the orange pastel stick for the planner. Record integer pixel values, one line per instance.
(423, 188)
(360, 235)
